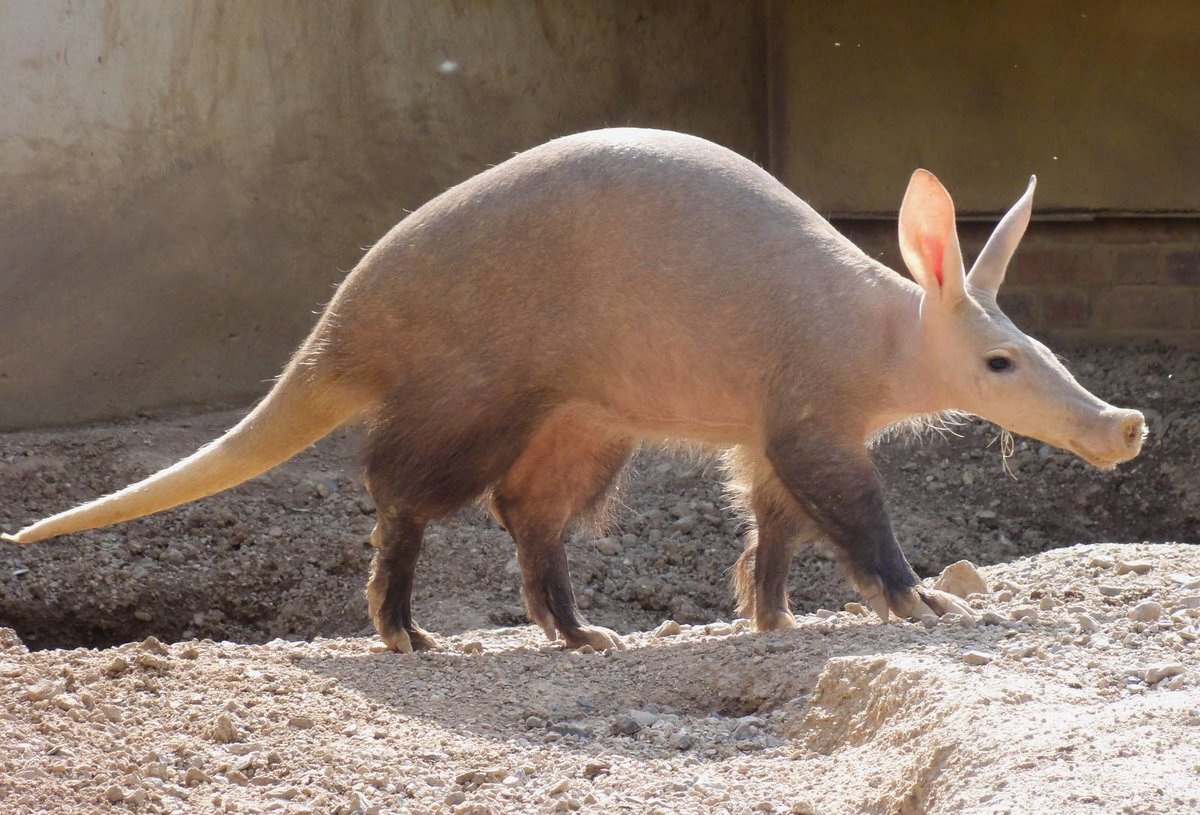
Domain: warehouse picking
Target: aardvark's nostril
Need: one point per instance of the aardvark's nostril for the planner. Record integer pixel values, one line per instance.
(1133, 428)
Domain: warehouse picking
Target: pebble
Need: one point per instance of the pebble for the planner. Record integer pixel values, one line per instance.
(116, 666)
(194, 776)
(472, 647)
(667, 628)
(1024, 613)
(608, 546)
(301, 722)
(625, 726)
(977, 657)
(114, 795)
(644, 717)
(1135, 566)
(1146, 611)
(962, 579)
(1109, 590)
(1101, 562)
(593, 769)
(225, 730)
(1155, 673)
(1087, 623)
(992, 618)
(682, 740)
(857, 609)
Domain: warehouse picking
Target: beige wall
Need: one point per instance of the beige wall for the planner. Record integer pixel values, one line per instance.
(1100, 99)
(182, 183)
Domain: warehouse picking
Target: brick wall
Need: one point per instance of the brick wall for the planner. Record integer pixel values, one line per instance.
(1111, 280)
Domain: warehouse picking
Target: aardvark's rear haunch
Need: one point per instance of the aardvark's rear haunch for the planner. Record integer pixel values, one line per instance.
(521, 333)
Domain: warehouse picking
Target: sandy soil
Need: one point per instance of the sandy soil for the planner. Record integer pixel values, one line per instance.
(1087, 702)
(1058, 701)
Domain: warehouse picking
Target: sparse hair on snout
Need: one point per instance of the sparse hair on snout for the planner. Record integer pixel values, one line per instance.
(515, 339)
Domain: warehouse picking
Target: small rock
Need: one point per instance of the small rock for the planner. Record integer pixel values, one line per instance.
(667, 628)
(608, 546)
(275, 531)
(195, 776)
(1156, 673)
(535, 722)
(151, 645)
(1087, 623)
(977, 657)
(1024, 613)
(961, 579)
(1135, 566)
(802, 808)
(111, 713)
(857, 609)
(301, 722)
(225, 730)
(1109, 590)
(1146, 611)
(114, 795)
(472, 647)
(682, 740)
(118, 665)
(42, 691)
(625, 726)
(594, 769)
(644, 717)
(559, 787)
(173, 556)
(992, 618)
(325, 488)
(1101, 562)
(455, 798)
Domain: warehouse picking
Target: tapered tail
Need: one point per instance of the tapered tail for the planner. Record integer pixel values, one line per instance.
(298, 411)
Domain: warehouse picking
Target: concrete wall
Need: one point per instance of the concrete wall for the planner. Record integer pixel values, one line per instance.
(1100, 99)
(183, 183)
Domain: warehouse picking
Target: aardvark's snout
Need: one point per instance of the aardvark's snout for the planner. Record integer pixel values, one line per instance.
(1116, 437)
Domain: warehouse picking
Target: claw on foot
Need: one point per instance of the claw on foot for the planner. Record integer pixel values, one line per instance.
(404, 641)
(913, 603)
(776, 621)
(598, 638)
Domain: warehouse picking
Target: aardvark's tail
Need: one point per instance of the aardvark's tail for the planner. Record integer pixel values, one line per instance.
(298, 411)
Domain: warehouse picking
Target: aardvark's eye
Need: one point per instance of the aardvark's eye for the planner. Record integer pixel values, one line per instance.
(999, 363)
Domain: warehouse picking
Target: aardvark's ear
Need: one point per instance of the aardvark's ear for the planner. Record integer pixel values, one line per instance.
(929, 241)
(988, 272)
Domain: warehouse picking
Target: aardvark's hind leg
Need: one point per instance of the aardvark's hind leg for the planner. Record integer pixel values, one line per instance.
(565, 472)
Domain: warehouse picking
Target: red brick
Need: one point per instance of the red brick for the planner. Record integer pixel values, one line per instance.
(1062, 267)
(1137, 267)
(1182, 269)
(1066, 308)
(1148, 307)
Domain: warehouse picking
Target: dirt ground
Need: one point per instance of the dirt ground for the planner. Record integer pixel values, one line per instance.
(843, 715)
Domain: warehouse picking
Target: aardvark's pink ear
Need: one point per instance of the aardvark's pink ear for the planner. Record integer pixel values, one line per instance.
(928, 240)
